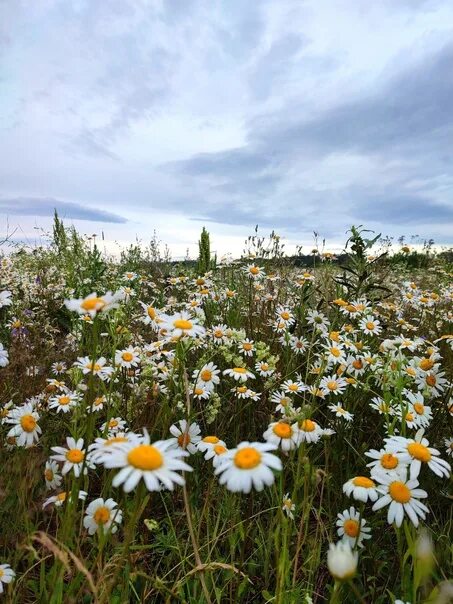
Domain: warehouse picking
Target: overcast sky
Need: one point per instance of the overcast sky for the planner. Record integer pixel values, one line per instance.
(135, 115)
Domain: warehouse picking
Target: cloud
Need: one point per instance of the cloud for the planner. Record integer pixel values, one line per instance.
(29, 206)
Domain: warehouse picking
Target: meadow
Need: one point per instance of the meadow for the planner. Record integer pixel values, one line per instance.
(227, 430)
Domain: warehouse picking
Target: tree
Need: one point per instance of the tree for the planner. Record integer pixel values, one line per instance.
(204, 254)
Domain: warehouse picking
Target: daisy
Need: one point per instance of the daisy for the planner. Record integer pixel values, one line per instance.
(25, 425)
(264, 369)
(333, 384)
(247, 347)
(282, 435)
(114, 425)
(254, 271)
(60, 498)
(288, 506)
(73, 457)
(352, 528)
(185, 437)
(218, 333)
(415, 451)
(361, 488)
(97, 404)
(448, 443)
(370, 325)
(285, 315)
(381, 406)
(318, 320)
(6, 572)
(240, 374)
(103, 446)
(401, 496)
(384, 461)
(93, 303)
(181, 325)
(293, 387)
(334, 354)
(431, 381)
(127, 358)
(103, 515)
(156, 463)
(201, 392)
(340, 412)
(308, 431)
(342, 561)
(206, 444)
(59, 367)
(51, 475)
(64, 402)
(98, 367)
(129, 276)
(207, 377)
(249, 465)
(298, 344)
(283, 402)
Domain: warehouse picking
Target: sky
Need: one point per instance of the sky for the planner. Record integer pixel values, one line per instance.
(135, 116)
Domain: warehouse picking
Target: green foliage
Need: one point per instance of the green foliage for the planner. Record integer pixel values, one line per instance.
(204, 252)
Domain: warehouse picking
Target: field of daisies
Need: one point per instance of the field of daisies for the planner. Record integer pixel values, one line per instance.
(250, 430)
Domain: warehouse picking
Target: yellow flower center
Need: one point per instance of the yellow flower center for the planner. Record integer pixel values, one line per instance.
(48, 474)
(389, 461)
(357, 364)
(419, 451)
(151, 312)
(184, 439)
(293, 387)
(307, 425)
(336, 352)
(399, 492)
(351, 528)
(431, 380)
(101, 515)
(370, 325)
(218, 333)
(93, 304)
(28, 423)
(247, 458)
(282, 430)
(61, 496)
(182, 324)
(199, 391)
(211, 439)
(426, 364)
(254, 270)
(409, 417)
(332, 385)
(145, 457)
(220, 449)
(127, 356)
(247, 346)
(239, 370)
(64, 400)
(419, 408)
(363, 481)
(75, 455)
(200, 281)
(206, 375)
(285, 315)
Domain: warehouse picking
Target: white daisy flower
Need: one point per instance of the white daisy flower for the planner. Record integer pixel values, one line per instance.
(59, 499)
(240, 374)
(93, 303)
(341, 412)
(181, 325)
(384, 461)
(283, 401)
(308, 431)
(342, 561)
(129, 357)
(415, 451)
(352, 528)
(288, 506)
(157, 464)
(185, 437)
(370, 325)
(102, 515)
(73, 457)
(361, 488)
(51, 474)
(333, 384)
(207, 376)
(25, 429)
(64, 402)
(98, 367)
(282, 435)
(114, 425)
(6, 572)
(249, 465)
(402, 496)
